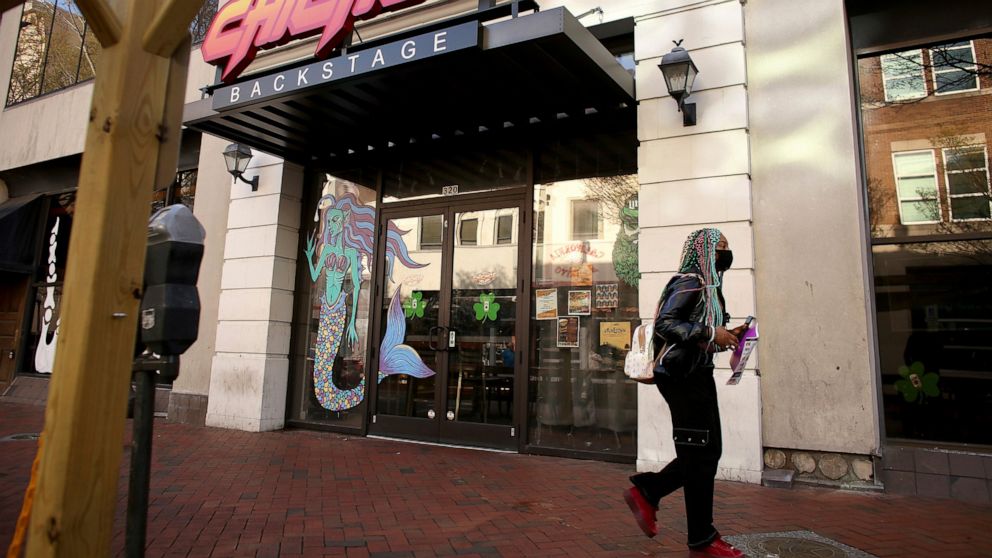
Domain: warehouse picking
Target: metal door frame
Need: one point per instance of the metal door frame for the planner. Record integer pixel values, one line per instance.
(443, 431)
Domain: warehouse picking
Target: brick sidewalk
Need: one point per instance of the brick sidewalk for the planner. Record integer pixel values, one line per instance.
(295, 493)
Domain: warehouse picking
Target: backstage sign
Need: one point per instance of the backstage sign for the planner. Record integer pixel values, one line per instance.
(420, 47)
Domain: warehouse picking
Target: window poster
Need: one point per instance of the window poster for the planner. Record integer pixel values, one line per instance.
(568, 332)
(546, 303)
(607, 295)
(615, 334)
(579, 303)
(581, 275)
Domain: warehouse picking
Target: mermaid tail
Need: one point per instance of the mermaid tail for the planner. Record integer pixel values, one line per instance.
(329, 334)
(394, 356)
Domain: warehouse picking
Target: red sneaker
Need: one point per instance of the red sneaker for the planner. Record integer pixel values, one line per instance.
(716, 549)
(644, 512)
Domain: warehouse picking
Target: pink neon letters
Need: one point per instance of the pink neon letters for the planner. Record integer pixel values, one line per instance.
(243, 27)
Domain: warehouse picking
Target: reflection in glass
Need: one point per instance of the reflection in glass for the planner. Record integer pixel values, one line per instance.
(483, 319)
(585, 302)
(32, 40)
(931, 226)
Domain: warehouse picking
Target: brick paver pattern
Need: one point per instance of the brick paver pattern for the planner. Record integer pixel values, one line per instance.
(222, 493)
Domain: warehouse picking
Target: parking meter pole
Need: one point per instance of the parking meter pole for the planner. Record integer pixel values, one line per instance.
(141, 456)
(146, 372)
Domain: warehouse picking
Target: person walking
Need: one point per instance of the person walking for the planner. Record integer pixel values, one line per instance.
(691, 326)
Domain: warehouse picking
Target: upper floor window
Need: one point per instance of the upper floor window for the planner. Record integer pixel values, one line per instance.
(431, 233)
(966, 170)
(504, 229)
(902, 76)
(57, 49)
(585, 219)
(954, 68)
(468, 232)
(916, 185)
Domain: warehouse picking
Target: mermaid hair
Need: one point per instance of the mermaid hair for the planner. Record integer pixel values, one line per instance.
(359, 232)
(699, 258)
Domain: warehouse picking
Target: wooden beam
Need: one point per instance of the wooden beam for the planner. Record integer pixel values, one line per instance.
(85, 416)
(102, 19)
(170, 26)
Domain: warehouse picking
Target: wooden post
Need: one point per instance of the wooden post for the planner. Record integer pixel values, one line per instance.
(133, 115)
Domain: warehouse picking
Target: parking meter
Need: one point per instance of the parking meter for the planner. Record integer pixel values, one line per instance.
(170, 309)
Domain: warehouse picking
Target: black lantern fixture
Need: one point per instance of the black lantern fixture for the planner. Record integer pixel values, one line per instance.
(237, 157)
(680, 73)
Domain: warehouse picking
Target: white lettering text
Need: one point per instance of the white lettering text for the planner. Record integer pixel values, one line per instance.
(301, 78)
(441, 42)
(279, 83)
(328, 70)
(409, 50)
(379, 59)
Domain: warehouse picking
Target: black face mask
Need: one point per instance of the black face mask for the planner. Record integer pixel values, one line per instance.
(724, 259)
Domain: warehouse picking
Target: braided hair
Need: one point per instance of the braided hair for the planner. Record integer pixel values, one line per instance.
(699, 259)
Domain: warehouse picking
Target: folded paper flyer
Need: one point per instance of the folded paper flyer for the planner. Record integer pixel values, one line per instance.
(743, 351)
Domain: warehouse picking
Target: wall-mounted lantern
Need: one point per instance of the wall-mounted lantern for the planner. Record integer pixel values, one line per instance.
(680, 74)
(237, 157)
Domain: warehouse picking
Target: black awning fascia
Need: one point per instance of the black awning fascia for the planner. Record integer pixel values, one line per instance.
(537, 65)
(19, 222)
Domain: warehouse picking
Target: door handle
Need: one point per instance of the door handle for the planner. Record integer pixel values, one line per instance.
(430, 338)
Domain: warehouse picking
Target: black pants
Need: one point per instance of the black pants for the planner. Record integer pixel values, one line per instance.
(698, 445)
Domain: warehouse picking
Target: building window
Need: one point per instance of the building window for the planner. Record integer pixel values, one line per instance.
(585, 219)
(966, 171)
(430, 232)
(902, 76)
(954, 68)
(504, 229)
(182, 190)
(916, 185)
(57, 49)
(468, 232)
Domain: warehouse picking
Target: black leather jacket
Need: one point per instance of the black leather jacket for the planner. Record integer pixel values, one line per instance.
(680, 321)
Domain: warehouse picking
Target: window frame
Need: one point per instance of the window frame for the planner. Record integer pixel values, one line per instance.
(947, 182)
(897, 177)
(934, 72)
(886, 79)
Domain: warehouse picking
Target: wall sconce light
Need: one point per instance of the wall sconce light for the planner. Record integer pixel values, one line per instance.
(237, 157)
(680, 73)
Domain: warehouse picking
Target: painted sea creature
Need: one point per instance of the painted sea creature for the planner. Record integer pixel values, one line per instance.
(341, 249)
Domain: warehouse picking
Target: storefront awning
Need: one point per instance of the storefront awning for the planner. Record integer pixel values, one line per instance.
(532, 70)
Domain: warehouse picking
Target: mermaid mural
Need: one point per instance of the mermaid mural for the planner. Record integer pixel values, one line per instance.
(346, 243)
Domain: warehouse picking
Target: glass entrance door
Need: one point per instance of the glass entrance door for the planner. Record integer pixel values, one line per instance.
(448, 327)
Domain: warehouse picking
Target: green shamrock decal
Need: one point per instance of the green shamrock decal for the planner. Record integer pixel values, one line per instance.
(916, 385)
(487, 308)
(415, 305)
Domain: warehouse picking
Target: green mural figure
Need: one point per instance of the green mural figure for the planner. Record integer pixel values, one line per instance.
(487, 307)
(625, 258)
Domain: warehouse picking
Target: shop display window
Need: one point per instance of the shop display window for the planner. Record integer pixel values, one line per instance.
(585, 306)
(929, 206)
(331, 323)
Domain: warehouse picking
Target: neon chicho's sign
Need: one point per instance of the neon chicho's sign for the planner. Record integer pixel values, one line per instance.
(243, 27)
